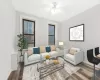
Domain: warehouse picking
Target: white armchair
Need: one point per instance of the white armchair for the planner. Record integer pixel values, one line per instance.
(75, 58)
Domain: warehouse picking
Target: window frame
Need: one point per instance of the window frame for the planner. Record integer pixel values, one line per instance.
(29, 34)
(51, 35)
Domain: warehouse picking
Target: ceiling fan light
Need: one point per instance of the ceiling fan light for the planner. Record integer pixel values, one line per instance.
(53, 10)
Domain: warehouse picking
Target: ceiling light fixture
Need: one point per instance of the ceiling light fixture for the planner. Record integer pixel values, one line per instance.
(53, 10)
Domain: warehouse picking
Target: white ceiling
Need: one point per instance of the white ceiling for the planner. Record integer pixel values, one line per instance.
(65, 8)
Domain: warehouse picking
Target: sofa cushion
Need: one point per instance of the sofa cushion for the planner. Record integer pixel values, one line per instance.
(53, 53)
(44, 55)
(73, 50)
(31, 49)
(36, 50)
(34, 57)
(53, 48)
(42, 49)
(70, 57)
(48, 49)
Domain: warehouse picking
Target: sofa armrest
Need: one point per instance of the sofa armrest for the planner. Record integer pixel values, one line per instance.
(65, 51)
(79, 56)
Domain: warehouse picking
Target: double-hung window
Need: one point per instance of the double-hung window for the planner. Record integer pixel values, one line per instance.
(29, 32)
(51, 36)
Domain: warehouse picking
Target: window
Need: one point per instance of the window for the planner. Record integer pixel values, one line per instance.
(51, 36)
(29, 32)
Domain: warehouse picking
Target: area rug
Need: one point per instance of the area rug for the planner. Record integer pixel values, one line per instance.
(69, 72)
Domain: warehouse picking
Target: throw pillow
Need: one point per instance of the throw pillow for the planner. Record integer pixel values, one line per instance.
(72, 51)
(76, 49)
(53, 48)
(29, 52)
(36, 50)
(48, 49)
(42, 49)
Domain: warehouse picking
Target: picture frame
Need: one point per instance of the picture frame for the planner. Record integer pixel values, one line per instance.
(76, 33)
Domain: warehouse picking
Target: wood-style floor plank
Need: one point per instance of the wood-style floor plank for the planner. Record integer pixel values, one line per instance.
(21, 71)
(12, 75)
(17, 74)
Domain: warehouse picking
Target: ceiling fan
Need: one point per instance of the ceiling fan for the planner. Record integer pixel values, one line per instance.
(53, 7)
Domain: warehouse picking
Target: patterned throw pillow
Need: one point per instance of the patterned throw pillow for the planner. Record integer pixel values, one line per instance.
(36, 50)
(42, 49)
(53, 48)
(48, 49)
(30, 51)
(72, 51)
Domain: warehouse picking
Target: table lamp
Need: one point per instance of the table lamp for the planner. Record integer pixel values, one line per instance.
(61, 44)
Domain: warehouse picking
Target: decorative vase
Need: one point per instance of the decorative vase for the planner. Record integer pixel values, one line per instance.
(47, 61)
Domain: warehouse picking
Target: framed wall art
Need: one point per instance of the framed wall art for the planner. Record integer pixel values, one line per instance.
(76, 33)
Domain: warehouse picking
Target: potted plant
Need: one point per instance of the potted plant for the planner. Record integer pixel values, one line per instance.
(22, 43)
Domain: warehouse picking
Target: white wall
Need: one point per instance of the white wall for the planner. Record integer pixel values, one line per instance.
(91, 19)
(7, 25)
(41, 27)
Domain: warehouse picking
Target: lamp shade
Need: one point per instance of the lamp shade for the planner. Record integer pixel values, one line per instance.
(61, 43)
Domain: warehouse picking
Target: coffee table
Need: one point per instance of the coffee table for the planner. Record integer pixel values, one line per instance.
(47, 69)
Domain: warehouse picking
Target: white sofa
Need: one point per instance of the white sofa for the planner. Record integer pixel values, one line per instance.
(74, 59)
(37, 57)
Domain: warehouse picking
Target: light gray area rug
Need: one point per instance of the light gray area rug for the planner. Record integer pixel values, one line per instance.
(69, 72)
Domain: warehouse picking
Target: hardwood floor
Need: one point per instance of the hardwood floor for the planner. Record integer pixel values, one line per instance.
(12, 75)
(21, 71)
(17, 74)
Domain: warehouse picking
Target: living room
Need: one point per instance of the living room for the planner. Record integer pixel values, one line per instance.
(63, 16)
